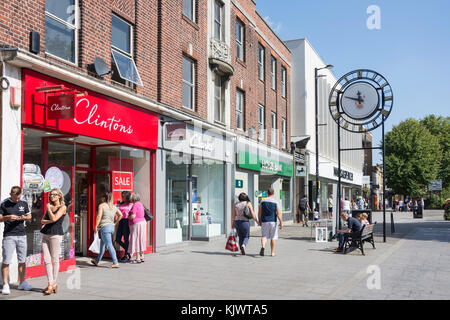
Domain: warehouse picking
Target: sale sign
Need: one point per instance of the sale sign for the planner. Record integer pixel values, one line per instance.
(121, 181)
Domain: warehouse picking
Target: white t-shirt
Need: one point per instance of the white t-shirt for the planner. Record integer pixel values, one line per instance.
(346, 205)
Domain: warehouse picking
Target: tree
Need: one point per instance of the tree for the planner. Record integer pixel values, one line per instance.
(413, 158)
(440, 128)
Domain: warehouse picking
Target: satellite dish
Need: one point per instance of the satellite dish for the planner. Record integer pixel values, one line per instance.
(100, 67)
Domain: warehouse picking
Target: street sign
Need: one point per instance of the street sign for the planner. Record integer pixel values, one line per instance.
(300, 171)
(436, 185)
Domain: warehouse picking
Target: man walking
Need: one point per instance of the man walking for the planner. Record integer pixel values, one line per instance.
(269, 211)
(330, 207)
(303, 208)
(14, 212)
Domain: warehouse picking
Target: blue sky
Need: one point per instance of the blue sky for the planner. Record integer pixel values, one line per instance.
(412, 48)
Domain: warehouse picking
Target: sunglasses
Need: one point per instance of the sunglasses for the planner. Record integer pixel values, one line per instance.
(53, 194)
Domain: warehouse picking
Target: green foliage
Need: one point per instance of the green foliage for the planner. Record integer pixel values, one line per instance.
(440, 128)
(413, 158)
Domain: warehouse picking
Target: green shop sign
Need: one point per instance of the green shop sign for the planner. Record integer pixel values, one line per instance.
(254, 162)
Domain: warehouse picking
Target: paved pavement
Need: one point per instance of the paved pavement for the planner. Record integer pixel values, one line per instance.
(412, 264)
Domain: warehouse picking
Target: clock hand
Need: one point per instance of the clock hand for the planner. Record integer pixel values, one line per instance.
(356, 99)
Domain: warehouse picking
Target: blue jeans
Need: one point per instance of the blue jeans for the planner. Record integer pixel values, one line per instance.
(106, 234)
(243, 231)
(123, 230)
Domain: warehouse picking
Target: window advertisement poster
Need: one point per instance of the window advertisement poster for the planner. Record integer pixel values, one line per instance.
(122, 181)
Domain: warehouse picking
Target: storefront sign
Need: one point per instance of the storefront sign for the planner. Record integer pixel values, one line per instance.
(201, 142)
(254, 162)
(123, 181)
(96, 115)
(61, 107)
(344, 174)
(299, 157)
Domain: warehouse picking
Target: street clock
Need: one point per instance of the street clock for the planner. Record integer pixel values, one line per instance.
(361, 100)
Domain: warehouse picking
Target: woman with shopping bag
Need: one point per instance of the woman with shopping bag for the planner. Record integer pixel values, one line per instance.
(242, 213)
(108, 217)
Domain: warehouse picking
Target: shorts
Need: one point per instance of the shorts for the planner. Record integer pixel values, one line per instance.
(269, 230)
(330, 209)
(19, 243)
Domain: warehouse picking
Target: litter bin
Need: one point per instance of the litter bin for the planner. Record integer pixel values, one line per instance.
(417, 212)
(368, 211)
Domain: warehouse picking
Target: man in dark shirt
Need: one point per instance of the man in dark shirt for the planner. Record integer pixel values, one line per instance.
(14, 212)
(303, 208)
(353, 226)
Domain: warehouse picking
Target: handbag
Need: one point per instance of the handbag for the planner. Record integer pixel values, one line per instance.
(247, 214)
(95, 245)
(231, 243)
(147, 215)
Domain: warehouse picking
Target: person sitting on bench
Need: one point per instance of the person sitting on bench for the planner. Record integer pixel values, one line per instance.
(353, 226)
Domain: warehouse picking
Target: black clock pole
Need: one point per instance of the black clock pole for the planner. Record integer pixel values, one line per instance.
(384, 184)
(338, 211)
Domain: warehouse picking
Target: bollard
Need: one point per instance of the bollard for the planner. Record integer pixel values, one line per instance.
(392, 222)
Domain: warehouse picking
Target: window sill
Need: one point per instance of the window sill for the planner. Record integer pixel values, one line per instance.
(220, 123)
(190, 22)
(241, 62)
(49, 55)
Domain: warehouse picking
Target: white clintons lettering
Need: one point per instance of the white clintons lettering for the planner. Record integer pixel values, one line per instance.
(111, 124)
(56, 107)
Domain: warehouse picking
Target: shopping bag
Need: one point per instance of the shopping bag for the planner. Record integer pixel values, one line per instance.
(95, 246)
(231, 243)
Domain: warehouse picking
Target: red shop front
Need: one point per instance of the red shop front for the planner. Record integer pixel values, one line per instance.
(85, 144)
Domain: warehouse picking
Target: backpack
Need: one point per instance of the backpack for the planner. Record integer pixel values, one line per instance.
(302, 204)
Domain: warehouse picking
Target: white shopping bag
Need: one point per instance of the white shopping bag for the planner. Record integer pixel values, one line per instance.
(95, 246)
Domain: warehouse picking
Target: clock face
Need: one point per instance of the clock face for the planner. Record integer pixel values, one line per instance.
(361, 100)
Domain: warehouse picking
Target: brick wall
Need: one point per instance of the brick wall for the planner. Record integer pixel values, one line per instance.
(257, 91)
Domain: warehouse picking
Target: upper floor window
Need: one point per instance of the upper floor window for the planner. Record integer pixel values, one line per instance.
(219, 27)
(283, 133)
(261, 132)
(188, 83)
(123, 65)
(273, 127)
(283, 82)
(273, 72)
(240, 40)
(61, 30)
(189, 9)
(239, 109)
(219, 99)
(261, 56)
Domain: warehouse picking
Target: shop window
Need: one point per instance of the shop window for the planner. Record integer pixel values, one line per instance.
(61, 31)
(285, 195)
(123, 65)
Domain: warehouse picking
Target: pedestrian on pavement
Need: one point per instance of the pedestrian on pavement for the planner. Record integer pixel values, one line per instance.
(330, 207)
(108, 216)
(353, 226)
(346, 206)
(240, 222)
(14, 212)
(303, 209)
(123, 229)
(52, 237)
(138, 227)
(269, 211)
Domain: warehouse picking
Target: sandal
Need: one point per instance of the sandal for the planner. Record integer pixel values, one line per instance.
(113, 266)
(94, 262)
(133, 261)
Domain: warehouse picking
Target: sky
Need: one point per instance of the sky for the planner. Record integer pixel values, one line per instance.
(410, 48)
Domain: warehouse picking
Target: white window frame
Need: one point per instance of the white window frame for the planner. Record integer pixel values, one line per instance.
(283, 133)
(283, 81)
(192, 12)
(219, 118)
(221, 22)
(261, 120)
(273, 127)
(74, 26)
(273, 72)
(129, 55)
(191, 85)
(261, 58)
(240, 101)
(240, 42)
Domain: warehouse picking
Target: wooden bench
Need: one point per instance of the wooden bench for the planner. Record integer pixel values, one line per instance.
(357, 239)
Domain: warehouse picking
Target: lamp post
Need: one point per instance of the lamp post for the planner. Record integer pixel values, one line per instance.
(316, 76)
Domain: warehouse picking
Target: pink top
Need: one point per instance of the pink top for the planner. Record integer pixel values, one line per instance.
(125, 209)
(138, 209)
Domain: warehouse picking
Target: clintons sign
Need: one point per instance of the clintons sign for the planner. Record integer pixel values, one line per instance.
(93, 115)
